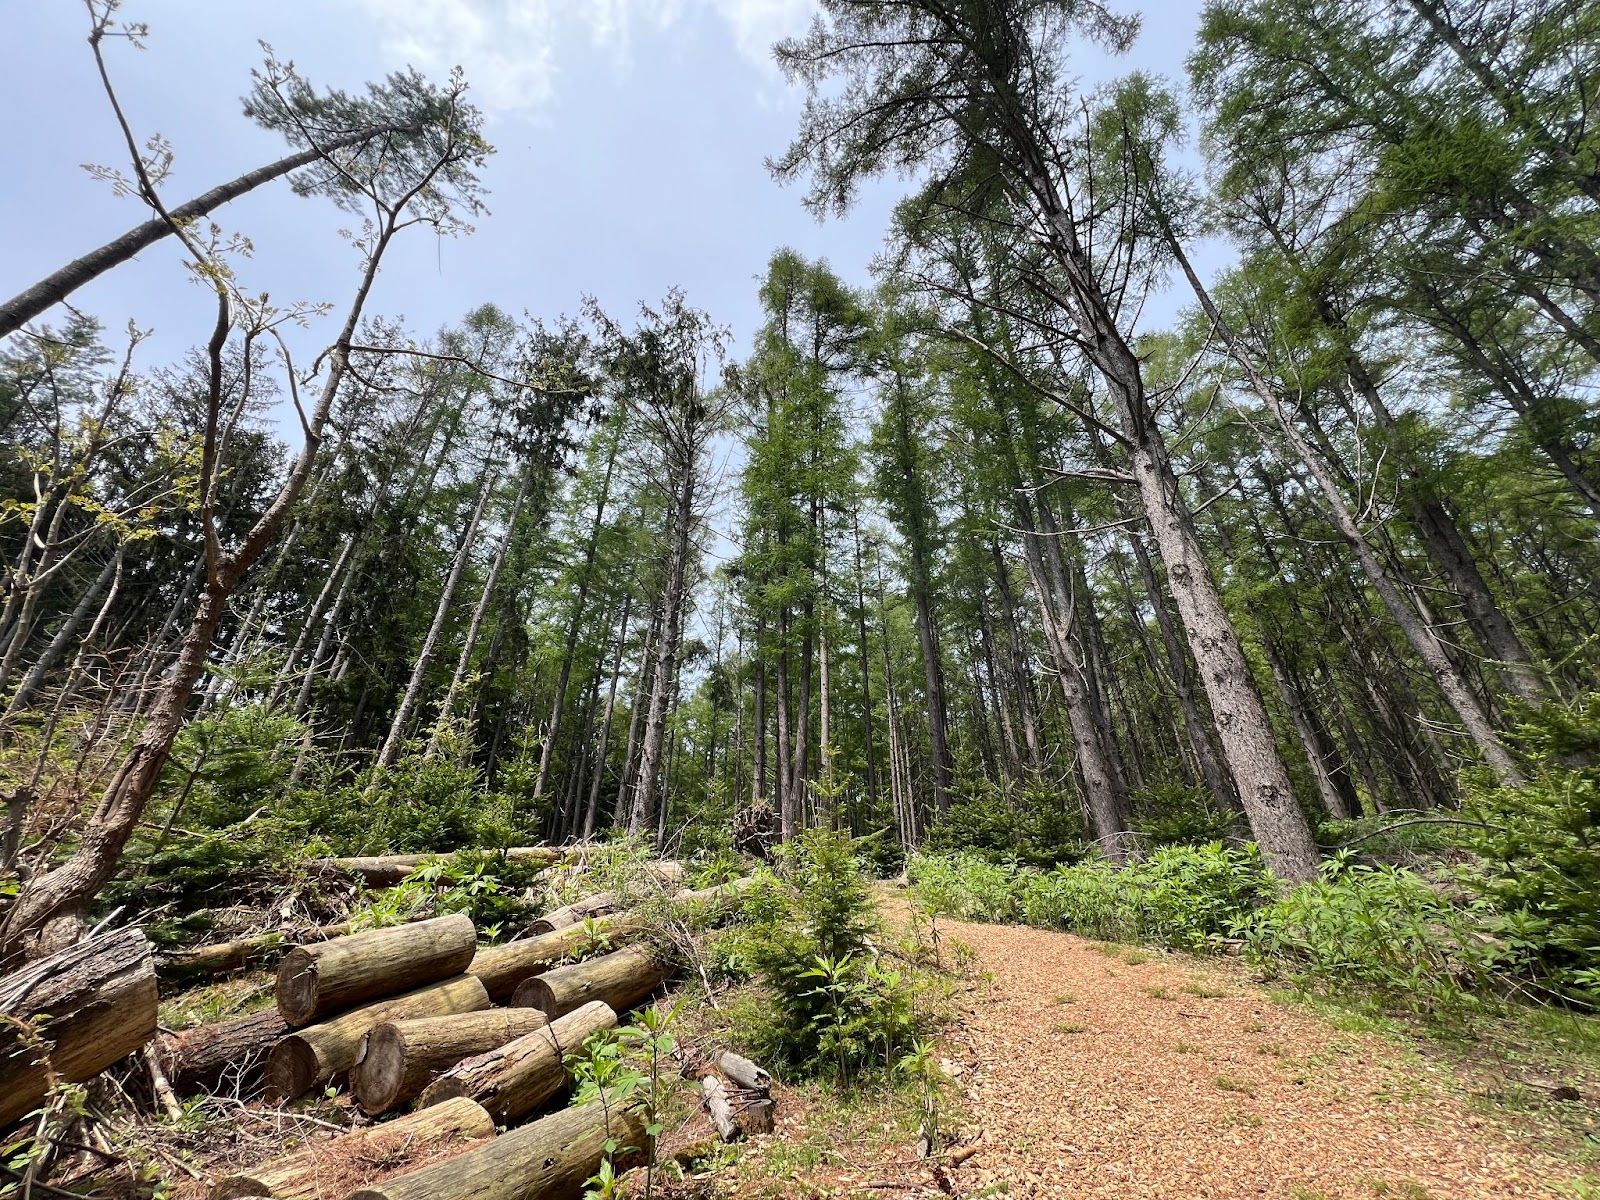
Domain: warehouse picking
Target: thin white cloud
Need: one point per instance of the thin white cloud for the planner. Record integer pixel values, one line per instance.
(511, 48)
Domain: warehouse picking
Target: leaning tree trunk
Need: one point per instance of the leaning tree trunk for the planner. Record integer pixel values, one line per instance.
(551, 1159)
(430, 643)
(53, 289)
(71, 1015)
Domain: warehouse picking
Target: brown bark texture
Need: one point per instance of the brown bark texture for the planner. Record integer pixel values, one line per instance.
(329, 977)
(400, 1058)
(621, 979)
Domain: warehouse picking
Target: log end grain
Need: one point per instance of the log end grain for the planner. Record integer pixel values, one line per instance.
(291, 1068)
(296, 986)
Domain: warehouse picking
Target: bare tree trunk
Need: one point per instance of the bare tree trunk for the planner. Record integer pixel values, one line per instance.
(393, 744)
(53, 289)
(868, 741)
(592, 808)
(575, 626)
(464, 659)
(63, 637)
(642, 687)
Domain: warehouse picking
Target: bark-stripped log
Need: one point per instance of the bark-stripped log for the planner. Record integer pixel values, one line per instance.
(548, 1160)
(333, 1166)
(317, 1053)
(502, 968)
(400, 1058)
(329, 977)
(91, 1004)
(389, 869)
(621, 979)
(523, 1074)
(720, 1111)
(575, 913)
(229, 1054)
(741, 1072)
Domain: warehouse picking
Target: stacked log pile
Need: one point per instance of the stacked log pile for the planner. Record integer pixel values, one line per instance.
(407, 1015)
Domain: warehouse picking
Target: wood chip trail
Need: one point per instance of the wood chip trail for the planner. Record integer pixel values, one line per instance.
(1096, 1074)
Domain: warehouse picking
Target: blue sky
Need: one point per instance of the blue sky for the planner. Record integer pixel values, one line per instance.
(631, 137)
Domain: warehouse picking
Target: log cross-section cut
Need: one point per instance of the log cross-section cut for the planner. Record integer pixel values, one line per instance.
(502, 968)
(621, 979)
(333, 1166)
(230, 1055)
(72, 1014)
(400, 1058)
(317, 1053)
(523, 1074)
(329, 977)
(550, 1159)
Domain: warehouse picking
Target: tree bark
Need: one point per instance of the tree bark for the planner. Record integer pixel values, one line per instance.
(515, 1079)
(329, 977)
(551, 1159)
(621, 979)
(231, 1055)
(502, 968)
(400, 1058)
(332, 1166)
(89, 1004)
(389, 869)
(317, 1053)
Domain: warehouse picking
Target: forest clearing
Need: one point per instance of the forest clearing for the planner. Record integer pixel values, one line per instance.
(1074, 675)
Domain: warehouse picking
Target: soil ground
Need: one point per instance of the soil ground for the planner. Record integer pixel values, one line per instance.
(1087, 1070)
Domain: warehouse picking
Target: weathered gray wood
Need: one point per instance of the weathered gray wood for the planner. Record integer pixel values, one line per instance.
(575, 913)
(91, 1003)
(317, 1053)
(333, 1166)
(718, 1108)
(743, 1073)
(329, 977)
(621, 979)
(549, 1159)
(517, 1078)
(400, 1058)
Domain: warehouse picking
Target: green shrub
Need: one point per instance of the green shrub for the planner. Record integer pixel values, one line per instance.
(829, 1003)
(1382, 926)
(1539, 851)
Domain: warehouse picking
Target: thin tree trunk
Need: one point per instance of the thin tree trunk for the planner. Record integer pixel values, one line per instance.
(57, 647)
(593, 806)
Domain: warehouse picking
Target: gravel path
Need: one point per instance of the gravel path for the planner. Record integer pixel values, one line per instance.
(1090, 1071)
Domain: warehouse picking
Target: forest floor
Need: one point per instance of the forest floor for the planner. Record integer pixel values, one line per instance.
(1084, 1069)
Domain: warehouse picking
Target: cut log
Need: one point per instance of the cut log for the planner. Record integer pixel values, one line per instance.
(551, 1159)
(317, 1053)
(741, 1072)
(389, 869)
(523, 1074)
(621, 979)
(329, 977)
(720, 1110)
(502, 968)
(575, 913)
(333, 1166)
(666, 871)
(91, 1004)
(200, 961)
(400, 1058)
(229, 1054)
